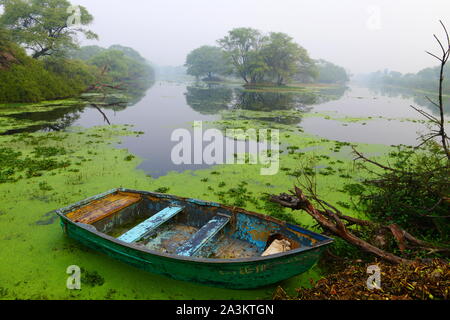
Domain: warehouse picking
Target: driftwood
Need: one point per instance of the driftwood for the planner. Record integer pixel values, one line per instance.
(332, 220)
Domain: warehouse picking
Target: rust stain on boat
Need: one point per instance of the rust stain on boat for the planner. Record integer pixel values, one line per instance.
(102, 208)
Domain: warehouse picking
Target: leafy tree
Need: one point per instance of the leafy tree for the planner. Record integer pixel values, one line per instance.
(275, 57)
(242, 46)
(283, 57)
(129, 52)
(207, 61)
(85, 52)
(42, 25)
(24, 79)
(331, 73)
(118, 68)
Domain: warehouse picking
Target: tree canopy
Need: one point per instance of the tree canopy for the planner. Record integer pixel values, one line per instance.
(331, 73)
(42, 25)
(44, 29)
(207, 61)
(242, 46)
(274, 57)
(284, 58)
(424, 79)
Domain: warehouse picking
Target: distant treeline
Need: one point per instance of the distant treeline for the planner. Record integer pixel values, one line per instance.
(40, 58)
(255, 58)
(426, 79)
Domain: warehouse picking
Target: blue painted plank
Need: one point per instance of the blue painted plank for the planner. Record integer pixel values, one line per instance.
(149, 225)
(206, 233)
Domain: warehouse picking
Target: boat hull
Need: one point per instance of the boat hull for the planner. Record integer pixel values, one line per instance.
(232, 275)
(244, 273)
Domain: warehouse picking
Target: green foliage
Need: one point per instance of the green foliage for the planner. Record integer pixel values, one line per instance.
(42, 25)
(276, 57)
(85, 52)
(207, 61)
(28, 80)
(426, 79)
(331, 73)
(24, 79)
(284, 58)
(413, 194)
(123, 65)
(241, 46)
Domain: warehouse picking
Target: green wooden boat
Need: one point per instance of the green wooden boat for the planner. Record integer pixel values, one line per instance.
(192, 240)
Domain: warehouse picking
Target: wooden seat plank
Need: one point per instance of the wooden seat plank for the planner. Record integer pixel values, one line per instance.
(102, 208)
(206, 233)
(139, 231)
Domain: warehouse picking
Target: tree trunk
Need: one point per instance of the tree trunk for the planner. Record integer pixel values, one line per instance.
(43, 52)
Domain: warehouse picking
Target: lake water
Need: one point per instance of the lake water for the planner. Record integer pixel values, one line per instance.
(167, 106)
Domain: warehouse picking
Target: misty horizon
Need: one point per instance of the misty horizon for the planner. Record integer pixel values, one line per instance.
(363, 36)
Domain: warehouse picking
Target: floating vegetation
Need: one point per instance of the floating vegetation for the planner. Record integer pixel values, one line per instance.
(91, 278)
(60, 168)
(162, 190)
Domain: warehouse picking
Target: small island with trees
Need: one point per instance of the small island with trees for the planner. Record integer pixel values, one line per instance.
(261, 60)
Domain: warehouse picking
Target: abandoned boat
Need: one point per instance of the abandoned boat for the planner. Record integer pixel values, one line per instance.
(192, 240)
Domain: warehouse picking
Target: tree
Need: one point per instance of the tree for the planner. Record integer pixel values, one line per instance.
(85, 52)
(242, 46)
(284, 58)
(331, 73)
(275, 57)
(42, 25)
(118, 67)
(207, 61)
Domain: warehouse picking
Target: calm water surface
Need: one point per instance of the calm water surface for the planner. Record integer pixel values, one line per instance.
(168, 106)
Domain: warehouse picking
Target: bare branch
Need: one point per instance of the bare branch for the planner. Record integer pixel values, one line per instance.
(434, 55)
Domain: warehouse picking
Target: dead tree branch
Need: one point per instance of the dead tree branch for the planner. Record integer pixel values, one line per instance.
(338, 224)
(440, 133)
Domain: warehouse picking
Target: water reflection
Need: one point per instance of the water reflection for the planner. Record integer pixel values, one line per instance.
(169, 106)
(56, 120)
(419, 98)
(209, 99)
(212, 99)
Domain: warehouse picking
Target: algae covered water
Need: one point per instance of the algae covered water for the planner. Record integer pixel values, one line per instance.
(346, 114)
(57, 154)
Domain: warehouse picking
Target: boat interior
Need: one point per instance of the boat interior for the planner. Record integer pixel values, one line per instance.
(187, 227)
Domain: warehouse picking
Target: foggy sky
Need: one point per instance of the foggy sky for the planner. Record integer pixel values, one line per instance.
(346, 32)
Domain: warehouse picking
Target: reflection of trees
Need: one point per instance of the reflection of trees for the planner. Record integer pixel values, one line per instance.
(272, 101)
(264, 101)
(58, 119)
(210, 99)
(118, 100)
(61, 118)
(418, 97)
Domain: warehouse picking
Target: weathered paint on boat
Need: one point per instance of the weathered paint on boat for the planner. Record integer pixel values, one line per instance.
(242, 273)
